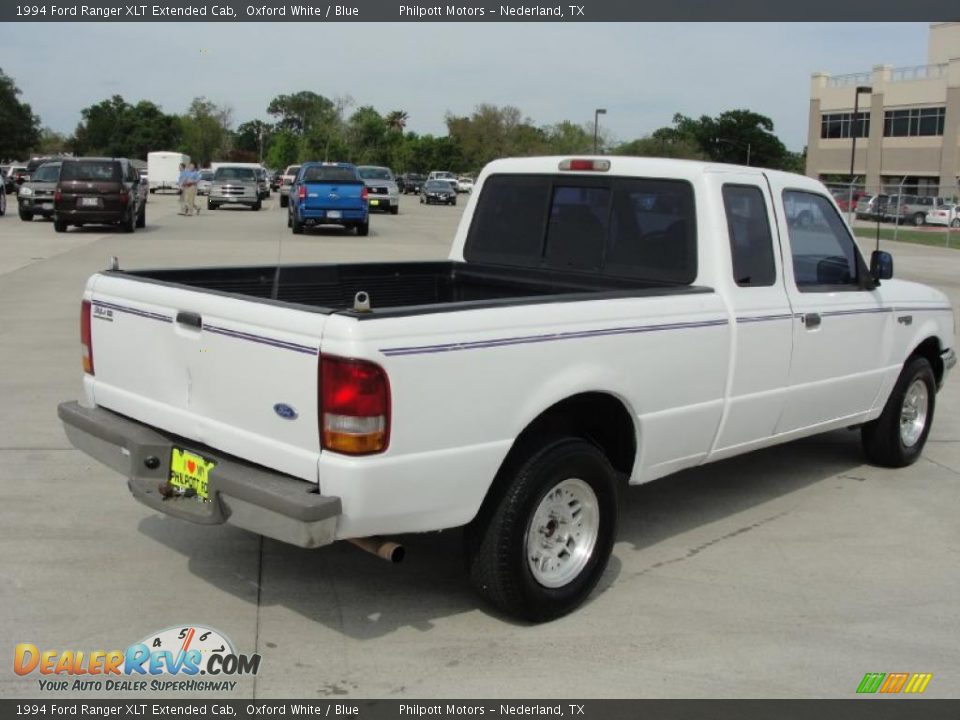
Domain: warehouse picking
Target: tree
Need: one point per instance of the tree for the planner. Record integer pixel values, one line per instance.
(253, 137)
(52, 142)
(205, 131)
(567, 137)
(302, 112)
(19, 127)
(492, 132)
(116, 128)
(366, 137)
(397, 120)
(662, 146)
(284, 149)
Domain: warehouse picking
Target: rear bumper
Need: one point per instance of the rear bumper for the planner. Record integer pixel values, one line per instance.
(100, 217)
(249, 496)
(323, 216)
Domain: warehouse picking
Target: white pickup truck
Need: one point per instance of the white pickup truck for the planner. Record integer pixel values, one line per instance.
(600, 322)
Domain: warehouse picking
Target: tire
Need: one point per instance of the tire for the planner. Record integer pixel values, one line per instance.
(257, 205)
(394, 209)
(421, 200)
(919, 219)
(284, 201)
(296, 225)
(363, 229)
(955, 223)
(289, 220)
(893, 439)
(129, 223)
(26, 216)
(454, 203)
(59, 225)
(518, 521)
(142, 217)
(212, 206)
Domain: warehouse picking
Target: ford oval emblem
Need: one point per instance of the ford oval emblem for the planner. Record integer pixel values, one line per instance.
(285, 411)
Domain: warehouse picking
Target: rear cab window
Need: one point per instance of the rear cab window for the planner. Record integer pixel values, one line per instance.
(641, 228)
(328, 174)
(751, 242)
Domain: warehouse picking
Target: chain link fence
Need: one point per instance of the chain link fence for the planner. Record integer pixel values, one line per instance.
(901, 211)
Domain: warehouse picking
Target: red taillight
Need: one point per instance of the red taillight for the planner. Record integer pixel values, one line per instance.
(302, 192)
(124, 196)
(364, 194)
(57, 195)
(585, 165)
(86, 338)
(354, 406)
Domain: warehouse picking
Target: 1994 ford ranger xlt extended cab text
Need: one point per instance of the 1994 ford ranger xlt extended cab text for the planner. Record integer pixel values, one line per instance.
(600, 321)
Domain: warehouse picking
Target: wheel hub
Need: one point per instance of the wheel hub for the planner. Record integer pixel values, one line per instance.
(563, 533)
(913, 413)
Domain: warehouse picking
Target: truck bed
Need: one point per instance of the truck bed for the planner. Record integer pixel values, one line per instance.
(403, 288)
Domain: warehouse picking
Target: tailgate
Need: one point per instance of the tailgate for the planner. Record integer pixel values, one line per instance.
(334, 196)
(237, 375)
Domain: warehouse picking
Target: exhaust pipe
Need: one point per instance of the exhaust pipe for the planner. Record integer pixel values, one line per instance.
(382, 548)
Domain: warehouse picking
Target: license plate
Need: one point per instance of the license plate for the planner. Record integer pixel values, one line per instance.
(89, 202)
(374, 202)
(189, 473)
(333, 214)
(46, 206)
(233, 199)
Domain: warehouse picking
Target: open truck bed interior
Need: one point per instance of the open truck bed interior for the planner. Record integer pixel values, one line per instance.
(403, 288)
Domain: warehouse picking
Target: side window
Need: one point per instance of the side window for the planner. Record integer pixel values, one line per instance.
(751, 243)
(824, 255)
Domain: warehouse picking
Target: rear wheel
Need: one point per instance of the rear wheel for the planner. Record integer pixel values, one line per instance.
(284, 201)
(538, 546)
(363, 229)
(129, 223)
(297, 225)
(142, 216)
(59, 225)
(919, 219)
(394, 209)
(955, 223)
(897, 437)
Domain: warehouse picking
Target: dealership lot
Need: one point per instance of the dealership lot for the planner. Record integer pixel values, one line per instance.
(788, 572)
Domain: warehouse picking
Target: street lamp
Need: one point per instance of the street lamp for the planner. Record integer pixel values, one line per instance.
(855, 124)
(596, 125)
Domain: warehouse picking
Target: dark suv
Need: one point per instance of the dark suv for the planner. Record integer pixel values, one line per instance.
(99, 191)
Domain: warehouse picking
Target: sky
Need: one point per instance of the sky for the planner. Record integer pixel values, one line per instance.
(641, 73)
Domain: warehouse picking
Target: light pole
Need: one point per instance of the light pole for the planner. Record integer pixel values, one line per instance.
(737, 145)
(596, 126)
(856, 125)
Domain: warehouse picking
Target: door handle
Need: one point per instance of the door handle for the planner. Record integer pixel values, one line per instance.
(811, 320)
(190, 318)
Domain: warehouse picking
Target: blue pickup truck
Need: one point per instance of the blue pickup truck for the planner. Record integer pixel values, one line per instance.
(328, 194)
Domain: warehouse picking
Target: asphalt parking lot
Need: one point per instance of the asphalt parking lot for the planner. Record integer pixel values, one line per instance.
(790, 572)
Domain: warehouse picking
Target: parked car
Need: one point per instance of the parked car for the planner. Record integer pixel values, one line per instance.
(329, 194)
(264, 182)
(383, 189)
(597, 324)
(98, 191)
(286, 181)
(205, 181)
(946, 215)
(36, 162)
(412, 183)
(3, 203)
(913, 209)
(846, 200)
(35, 196)
(464, 184)
(443, 175)
(438, 192)
(276, 178)
(235, 185)
(872, 207)
(15, 176)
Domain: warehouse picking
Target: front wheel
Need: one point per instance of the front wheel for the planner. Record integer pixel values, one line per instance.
(897, 437)
(919, 219)
(955, 223)
(538, 546)
(26, 216)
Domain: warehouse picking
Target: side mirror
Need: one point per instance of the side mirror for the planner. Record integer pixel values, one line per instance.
(881, 265)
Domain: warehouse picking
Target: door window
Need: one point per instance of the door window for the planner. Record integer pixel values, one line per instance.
(824, 254)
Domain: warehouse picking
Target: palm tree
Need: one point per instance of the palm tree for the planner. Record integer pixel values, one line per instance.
(397, 120)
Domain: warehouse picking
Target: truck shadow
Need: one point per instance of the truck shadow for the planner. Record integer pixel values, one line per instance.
(363, 597)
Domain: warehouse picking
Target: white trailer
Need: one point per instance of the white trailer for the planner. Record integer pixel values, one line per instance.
(163, 169)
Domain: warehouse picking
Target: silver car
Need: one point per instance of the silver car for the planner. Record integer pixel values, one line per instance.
(234, 185)
(383, 191)
(205, 181)
(35, 196)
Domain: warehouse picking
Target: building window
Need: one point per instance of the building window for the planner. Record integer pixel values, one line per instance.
(842, 125)
(914, 122)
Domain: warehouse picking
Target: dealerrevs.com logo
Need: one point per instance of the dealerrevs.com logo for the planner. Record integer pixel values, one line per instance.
(184, 652)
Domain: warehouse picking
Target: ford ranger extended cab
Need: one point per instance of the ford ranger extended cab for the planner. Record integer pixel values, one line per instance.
(600, 322)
